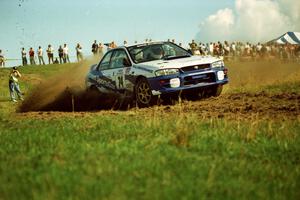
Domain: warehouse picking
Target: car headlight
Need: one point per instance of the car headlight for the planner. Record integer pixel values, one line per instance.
(217, 64)
(165, 72)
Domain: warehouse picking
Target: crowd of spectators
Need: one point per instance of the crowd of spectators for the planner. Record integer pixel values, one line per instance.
(227, 50)
(247, 51)
(62, 52)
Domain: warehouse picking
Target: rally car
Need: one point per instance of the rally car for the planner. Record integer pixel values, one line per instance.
(145, 72)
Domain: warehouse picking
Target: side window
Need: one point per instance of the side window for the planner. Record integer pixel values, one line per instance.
(105, 63)
(118, 59)
(169, 50)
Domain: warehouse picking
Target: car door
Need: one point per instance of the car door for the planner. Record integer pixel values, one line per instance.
(105, 80)
(120, 69)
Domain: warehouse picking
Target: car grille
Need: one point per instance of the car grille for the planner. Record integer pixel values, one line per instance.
(195, 67)
(200, 78)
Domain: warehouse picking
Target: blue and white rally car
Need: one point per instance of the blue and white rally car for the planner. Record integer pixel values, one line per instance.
(145, 72)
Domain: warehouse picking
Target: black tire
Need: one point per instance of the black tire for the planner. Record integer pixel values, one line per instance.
(143, 94)
(216, 90)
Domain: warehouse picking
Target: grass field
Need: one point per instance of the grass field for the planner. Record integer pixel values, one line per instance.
(154, 153)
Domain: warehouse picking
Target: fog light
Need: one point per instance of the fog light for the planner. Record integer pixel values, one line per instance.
(220, 75)
(175, 82)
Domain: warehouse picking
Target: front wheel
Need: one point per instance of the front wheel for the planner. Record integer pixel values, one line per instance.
(143, 94)
(217, 90)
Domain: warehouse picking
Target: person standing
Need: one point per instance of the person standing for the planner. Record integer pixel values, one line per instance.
(113, 45)
(66, 54)
(2, 59)
(194, 47)
(79, 52)
(13, 84)
(60, 54)
(50, 54)
(31, 56)
(233, 49)
(40, 55)
(100, 50)
(24, 58)
(95, 47)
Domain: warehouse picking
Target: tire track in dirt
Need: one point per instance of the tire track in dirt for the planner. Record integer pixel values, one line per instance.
(241, 106)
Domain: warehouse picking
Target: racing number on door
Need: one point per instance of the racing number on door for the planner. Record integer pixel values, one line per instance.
(120, 81)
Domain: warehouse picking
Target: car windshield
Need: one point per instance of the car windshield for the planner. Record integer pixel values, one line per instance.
(157, 51)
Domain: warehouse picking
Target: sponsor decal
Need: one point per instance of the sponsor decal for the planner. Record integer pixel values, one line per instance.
(106, 83)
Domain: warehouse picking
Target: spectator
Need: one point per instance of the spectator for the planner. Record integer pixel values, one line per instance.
(14, 84)
(226, 49)
(2, 59)
(24, 58)
(194, 47)
(220, 49)
(100, 50)
(56, 61)
(31, 56)
(60, 54)
(50, 54)
(233, 49)
(125, 43)
(66, 54)
(113, 45)
(40, 55)
(95, 47)
(79, 52)
(211, 49)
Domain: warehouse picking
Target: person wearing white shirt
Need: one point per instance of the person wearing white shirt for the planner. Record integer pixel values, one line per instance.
(100, 50)
(211, 49)
(258, 47)
(40, 55)
(233, 48)
(24, 59)
(79, 52)
(66, 54)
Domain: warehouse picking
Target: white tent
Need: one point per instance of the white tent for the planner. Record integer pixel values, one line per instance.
(288, 38)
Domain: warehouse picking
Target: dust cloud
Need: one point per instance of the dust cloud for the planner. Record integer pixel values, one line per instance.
(66, 92)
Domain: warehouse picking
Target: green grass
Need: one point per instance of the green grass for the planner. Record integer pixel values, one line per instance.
(117, 156)
(144, 155)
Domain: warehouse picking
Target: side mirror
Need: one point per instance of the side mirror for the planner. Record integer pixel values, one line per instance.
(126, 62)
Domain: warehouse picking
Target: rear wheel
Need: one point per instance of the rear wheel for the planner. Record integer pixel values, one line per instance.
(143, 94)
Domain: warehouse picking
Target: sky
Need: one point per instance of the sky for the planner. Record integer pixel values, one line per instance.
(31, 23)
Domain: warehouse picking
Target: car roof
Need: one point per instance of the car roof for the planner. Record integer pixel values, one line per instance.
(137, 45)
(145, 43)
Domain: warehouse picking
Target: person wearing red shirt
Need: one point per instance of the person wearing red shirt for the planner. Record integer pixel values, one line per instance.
(31, 56)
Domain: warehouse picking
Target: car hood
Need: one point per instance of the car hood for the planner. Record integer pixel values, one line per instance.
(179, 63)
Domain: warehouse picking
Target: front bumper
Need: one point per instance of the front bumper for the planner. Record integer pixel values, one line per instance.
(188, 81)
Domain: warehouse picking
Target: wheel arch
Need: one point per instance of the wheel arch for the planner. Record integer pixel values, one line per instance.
(139, 78)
